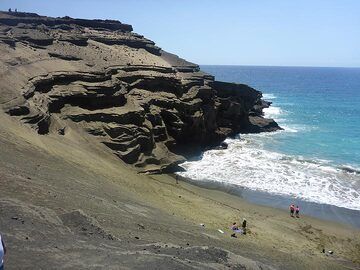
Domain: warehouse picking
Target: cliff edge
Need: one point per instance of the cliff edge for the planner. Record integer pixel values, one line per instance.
(148, 106)
(77, 95)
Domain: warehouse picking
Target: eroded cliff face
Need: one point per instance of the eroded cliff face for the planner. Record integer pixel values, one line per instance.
(149, 107)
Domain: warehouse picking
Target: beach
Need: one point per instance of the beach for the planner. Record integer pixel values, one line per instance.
(322, 211)
(116, 154)
(147, 217)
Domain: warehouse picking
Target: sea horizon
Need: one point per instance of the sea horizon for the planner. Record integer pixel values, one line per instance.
(277, 66)
(120, 151)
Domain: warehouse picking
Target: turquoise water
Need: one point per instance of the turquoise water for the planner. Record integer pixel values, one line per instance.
(316, 157)
(321, 104)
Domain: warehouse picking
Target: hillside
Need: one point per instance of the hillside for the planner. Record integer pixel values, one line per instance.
(89, 111)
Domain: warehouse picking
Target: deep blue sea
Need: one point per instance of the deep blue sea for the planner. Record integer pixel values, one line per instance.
(316, 157)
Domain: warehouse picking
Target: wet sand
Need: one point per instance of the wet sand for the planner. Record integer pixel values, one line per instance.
(322, 211)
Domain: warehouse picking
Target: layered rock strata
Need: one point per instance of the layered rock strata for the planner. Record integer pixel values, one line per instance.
(149, 107)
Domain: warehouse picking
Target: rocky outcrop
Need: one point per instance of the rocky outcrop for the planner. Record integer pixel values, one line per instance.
(23, 19)
(147, 106)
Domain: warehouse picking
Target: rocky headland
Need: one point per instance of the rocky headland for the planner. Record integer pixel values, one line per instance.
(149, 107)
(85, 105)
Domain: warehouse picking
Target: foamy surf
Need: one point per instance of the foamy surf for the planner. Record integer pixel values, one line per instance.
(273, 112)
(267, 96)
(280, 116)
(246, 163)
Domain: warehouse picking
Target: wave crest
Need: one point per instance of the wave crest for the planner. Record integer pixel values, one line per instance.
(247, 164)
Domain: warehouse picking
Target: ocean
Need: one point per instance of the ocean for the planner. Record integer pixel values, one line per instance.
(316, 158)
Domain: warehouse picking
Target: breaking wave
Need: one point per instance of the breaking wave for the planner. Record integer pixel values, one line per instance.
(247, 164)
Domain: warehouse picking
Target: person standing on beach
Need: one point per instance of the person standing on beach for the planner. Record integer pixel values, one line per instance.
(2, 253)
(292, 209)
(244, 226)
(297, 211)
(244, 223)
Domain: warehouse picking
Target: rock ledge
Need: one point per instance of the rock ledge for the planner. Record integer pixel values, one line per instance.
(149, 107)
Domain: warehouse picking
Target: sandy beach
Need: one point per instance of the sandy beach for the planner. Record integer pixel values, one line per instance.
(89, 112)
(61, 204)
(327, 212)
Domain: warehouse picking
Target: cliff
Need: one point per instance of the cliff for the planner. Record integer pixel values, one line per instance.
(149, 107)
(77, 95)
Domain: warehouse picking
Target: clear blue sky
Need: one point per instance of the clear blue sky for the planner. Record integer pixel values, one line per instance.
(238, 32)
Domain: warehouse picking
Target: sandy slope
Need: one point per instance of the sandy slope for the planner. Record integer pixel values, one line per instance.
(66, 203)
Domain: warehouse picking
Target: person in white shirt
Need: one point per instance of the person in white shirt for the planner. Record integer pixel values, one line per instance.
(2, 253)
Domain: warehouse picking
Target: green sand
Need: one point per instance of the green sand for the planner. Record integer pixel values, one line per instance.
(67, 203)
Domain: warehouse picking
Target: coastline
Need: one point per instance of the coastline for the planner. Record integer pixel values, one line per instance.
(324, 212)
(271, 227)
(68, 201)
(91, 187)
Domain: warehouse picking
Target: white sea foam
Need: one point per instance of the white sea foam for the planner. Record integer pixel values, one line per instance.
(273, 112)
(279, 115)
(289, 128)
(246, 163)
(267, 96)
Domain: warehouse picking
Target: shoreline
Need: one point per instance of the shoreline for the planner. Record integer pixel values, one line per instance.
(82, 196)
(93, 122)
(341, 215)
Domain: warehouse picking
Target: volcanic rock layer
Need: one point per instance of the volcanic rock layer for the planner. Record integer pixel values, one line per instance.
(149, 107)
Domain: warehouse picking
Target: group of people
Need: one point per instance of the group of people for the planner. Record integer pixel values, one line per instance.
(294, 209)
(2, 253)
(235, 228)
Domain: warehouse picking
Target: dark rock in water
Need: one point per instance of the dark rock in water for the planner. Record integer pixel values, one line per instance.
(258, 108)
(222, 146)
(260, 124)
(149, 107)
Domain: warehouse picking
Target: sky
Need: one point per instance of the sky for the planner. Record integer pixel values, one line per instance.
(230, 32)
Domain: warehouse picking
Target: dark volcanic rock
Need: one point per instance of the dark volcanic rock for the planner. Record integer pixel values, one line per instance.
(15, 18)
(149, 107)
(260, 124)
